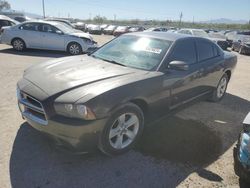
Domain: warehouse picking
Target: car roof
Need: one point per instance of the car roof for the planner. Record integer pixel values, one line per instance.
(162, 35)
(3, 17)
(43, 21)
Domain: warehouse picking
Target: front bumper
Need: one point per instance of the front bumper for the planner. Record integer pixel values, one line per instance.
(71, 134)
(242, 170)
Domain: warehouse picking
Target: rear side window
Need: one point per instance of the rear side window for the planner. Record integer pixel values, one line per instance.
(184, 51)
(205, 50)
(30, 27)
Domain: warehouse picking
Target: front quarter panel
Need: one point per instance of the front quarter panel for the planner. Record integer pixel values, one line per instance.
(149, 90)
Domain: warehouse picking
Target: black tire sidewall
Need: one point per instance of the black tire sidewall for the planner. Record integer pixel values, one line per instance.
(104, 144)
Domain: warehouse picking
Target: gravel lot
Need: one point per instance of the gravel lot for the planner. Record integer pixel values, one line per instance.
(193, 148)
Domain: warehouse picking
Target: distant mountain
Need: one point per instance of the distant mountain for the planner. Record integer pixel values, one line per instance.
(226, 21)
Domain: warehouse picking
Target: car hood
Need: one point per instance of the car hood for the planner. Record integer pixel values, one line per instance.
(82, 34)
(65, 74)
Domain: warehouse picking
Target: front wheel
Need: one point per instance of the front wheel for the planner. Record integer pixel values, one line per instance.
(122, 130)
(74, 48)
(220, 91)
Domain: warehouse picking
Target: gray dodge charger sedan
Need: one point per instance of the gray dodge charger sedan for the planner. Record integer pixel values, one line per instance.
(103, 99)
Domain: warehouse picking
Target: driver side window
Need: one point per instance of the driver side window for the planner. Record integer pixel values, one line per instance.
(184, 50)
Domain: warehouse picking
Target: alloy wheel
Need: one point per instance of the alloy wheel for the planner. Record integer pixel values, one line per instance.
(221, 89)
(124, 130)
(74, 49)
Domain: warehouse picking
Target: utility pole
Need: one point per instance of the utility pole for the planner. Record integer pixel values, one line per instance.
(193, 20)
(114, 17)
(181, 15)
(43, 9)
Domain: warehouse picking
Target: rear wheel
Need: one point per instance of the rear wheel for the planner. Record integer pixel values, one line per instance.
(220, 91)
(122, 130)
(74, 48)
(18, 44)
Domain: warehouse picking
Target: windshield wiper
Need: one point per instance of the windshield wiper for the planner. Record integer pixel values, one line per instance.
(114, 62)
(107, 60)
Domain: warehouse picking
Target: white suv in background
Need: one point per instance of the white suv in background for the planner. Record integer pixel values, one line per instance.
(47, 35)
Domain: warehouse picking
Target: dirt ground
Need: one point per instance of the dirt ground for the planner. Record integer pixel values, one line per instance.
(193, 148)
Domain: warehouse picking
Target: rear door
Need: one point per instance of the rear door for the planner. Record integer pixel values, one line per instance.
(53, 38)
(210, 57)
(31, 34)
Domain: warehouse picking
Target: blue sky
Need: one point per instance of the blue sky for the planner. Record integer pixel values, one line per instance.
(155, 9)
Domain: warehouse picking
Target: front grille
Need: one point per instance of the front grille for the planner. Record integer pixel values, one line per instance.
(32, 108)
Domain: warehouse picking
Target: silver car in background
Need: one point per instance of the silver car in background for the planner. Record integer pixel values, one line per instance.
(47, 35)
(222, 42)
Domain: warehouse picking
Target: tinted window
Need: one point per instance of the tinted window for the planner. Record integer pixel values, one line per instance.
(30, 26)
(184, 51)
(5, 23)
(205, 50)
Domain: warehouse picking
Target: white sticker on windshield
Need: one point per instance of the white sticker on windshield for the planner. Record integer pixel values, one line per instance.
(153, 50)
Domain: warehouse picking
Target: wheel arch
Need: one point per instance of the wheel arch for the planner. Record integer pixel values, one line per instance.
(18, 38)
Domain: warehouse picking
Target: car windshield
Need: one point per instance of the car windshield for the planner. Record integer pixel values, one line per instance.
(134, 51)
(200, 33)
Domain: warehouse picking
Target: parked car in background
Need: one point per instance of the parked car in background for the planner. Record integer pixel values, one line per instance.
(136, 29)
(109, 30)
(95, 29)
(201, 33)
(6, 21)
(103, 26)
(241, 44)
(22, 19)
(242, 152)
(104, 99)
(80, 26)
(47, 35)
(161, 29)
(231, 36)
(220, 39)
(121, 30)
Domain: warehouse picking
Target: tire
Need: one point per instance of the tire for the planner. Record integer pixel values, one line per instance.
(18, 44)
(220, 90)
(117, 137)
(74, 48)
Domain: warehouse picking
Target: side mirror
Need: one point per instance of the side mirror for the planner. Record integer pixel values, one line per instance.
(59, 32)
(178, 65)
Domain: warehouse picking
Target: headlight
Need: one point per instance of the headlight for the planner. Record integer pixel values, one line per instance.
(75, 111)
